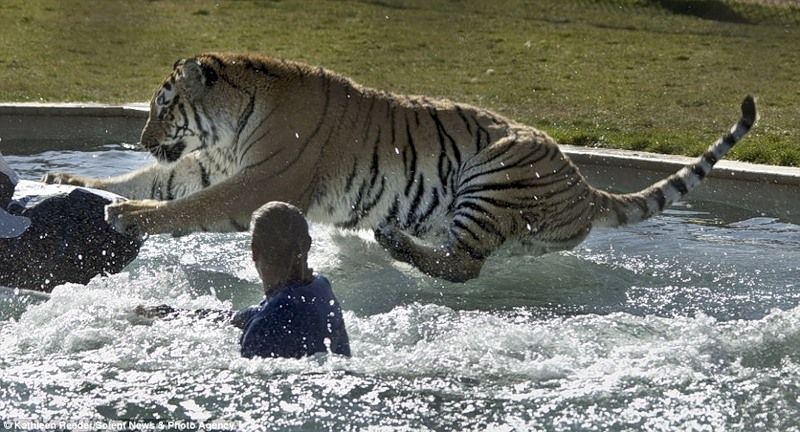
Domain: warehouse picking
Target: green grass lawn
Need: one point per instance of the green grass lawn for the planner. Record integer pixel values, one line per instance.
(634, 74)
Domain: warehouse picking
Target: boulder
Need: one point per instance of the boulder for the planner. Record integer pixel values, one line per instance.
(68, 239)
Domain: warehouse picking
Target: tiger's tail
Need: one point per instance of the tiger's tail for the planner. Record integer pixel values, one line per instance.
(613, 210)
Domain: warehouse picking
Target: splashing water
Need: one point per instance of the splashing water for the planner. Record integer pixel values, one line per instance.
(684, 322)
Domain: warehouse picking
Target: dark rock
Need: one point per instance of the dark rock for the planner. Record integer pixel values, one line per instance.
(68, 241)
(6, 190)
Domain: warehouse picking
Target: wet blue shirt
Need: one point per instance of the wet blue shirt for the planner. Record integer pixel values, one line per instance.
(294, 322)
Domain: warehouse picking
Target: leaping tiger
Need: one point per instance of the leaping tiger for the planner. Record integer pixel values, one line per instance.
(232, 132)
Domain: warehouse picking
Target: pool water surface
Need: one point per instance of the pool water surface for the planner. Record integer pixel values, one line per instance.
(688, 321)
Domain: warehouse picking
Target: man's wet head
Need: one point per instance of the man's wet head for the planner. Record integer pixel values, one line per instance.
(280, 245)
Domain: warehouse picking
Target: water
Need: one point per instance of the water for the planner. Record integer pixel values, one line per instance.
(690, 321)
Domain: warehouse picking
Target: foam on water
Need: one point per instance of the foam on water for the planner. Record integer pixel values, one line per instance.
(685, 322)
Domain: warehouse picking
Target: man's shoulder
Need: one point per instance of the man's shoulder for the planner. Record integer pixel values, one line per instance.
(319, 288)
(297, 297)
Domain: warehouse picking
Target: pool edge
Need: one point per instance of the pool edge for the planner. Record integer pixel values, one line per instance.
(27, 128)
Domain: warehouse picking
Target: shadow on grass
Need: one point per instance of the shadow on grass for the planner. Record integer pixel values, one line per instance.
(715, 10)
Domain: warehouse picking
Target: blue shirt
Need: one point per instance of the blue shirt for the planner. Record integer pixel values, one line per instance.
(294, 322)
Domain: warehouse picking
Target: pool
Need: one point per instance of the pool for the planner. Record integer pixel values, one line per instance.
(690, 321)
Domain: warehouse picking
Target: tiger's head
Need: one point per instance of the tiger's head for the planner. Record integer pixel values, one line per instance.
(195, 107)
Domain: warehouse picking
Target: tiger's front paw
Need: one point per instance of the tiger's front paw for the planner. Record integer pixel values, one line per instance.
(135, 218)
(395, 241)
(66, 179)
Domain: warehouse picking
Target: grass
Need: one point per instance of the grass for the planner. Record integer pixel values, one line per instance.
(639, 74)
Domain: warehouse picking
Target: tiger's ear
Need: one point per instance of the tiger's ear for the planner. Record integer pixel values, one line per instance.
(196, 78)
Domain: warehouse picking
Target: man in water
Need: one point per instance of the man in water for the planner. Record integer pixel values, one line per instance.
(299, 315)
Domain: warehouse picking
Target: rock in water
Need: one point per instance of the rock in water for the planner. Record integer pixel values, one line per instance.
(6, 189)
(68, 241)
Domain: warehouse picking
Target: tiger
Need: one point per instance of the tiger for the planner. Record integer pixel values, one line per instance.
(442, 185)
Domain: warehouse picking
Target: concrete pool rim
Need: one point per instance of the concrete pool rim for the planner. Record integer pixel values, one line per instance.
(27, 128)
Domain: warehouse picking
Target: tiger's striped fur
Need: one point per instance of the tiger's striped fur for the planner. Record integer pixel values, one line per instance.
(233, 132)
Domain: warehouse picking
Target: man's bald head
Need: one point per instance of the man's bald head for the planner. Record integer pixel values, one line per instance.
(280, 234)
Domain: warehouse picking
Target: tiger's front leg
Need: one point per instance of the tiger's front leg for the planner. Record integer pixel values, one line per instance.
(155, 181)
(137, 217)
(70, 179)
(446, 261)
(223, 207)
(147, 182)
(179, 217)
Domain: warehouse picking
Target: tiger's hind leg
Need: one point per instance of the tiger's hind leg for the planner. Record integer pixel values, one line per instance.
(447, 261)
(479, 223)
(473, 234)
(519, 187)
